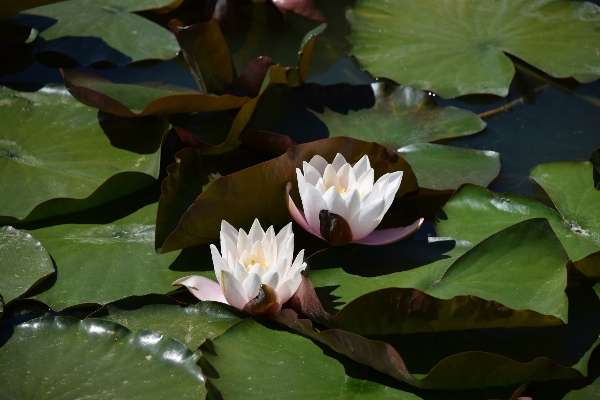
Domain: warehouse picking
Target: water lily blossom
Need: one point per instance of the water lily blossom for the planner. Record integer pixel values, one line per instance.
(256, 271)
(342, 203)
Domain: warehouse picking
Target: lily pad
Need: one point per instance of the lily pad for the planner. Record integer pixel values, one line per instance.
(101, 263)
(508, 267)
(474, 213)
(456, 49)
(132, 100)
(263, 188)
(24, 262)
(73, 28)
(446, 168)
(191, 325)
(161, 6)
(53, 147)
(97, 360)
(402, 116)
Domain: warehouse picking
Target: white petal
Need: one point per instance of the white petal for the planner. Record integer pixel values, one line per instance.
(365, 181)
(335, 203)
(292, 286)
(256, 232)
(243, 243)
(343, 175)
(329, 177)
(218, 262)
(258, 252)
(229, 230)
(282, 267)
(301, 181)
(311, 175)
(283, 235)
(367, 219)
(287, 250)
(227, 244)
(339, 161)
(320, 187)
(257, 269)
(269, 245)
(361, 166)
(271, 279)
(203, 288)
(353, 204)
(313, 203)
(319, 163)
(297, 266)
(233, 291)
(239, 272)
(251, 285)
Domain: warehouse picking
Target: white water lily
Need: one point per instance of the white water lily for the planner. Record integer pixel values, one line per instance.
(342, 203)
(256, 271)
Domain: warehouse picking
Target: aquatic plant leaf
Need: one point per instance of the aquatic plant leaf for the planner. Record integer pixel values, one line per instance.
(441, 167)
(402, 116)
(110, 34)
(190, 325)
(458, 48)
(490, 285)
(24, 261)
(101, 263)
(65, 157)
(95, 359)
(262, 188)
(132, 100)
(160, 6)
(207, 55)
(474, 213)
(476, 357)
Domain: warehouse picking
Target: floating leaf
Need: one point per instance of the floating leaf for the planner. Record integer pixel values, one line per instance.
(161, 6)
(58, 152)
(297, 76)
(474, 213)
(402, 116)
(262, 187)
(191, 325)
(100, 263)
(456, 49)
(131, 100)
(508, 267)
(207, 55)
(54, 357)
(446, 168)
(24, 262)
(73, 28)
(474, 358)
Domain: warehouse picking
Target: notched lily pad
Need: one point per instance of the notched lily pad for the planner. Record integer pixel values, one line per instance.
(191, 325)
(88, 32)
(58, 151)
(262, 187)
(95, 359)
(24, 261)
(132, 100)
(455, 50)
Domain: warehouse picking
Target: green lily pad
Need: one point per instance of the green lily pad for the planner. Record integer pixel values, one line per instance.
(58, 151)
(54, 357)
(89, 32)
(473, 358)
(508, 267)
(161, 6)
(191, 325)
(457, 49)
(474, 213)
(446, 168)
(132, 100)
(24, 262)
(402, 116)
(101, 263)
(263, 188)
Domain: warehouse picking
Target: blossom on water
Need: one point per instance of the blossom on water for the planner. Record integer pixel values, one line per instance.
(342, 203)
(256, 271)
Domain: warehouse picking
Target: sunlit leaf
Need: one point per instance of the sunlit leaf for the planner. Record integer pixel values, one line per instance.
(262, 188)
(24, 263)
(105, 33)
(60, 152)
(457, 48)
(443, 167)
(191, 325)
(131, 100)
(100, 263)
(63, 357)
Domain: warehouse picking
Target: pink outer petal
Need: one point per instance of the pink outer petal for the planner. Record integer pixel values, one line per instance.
(203, 288)
(392, 235)
(298, 215)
